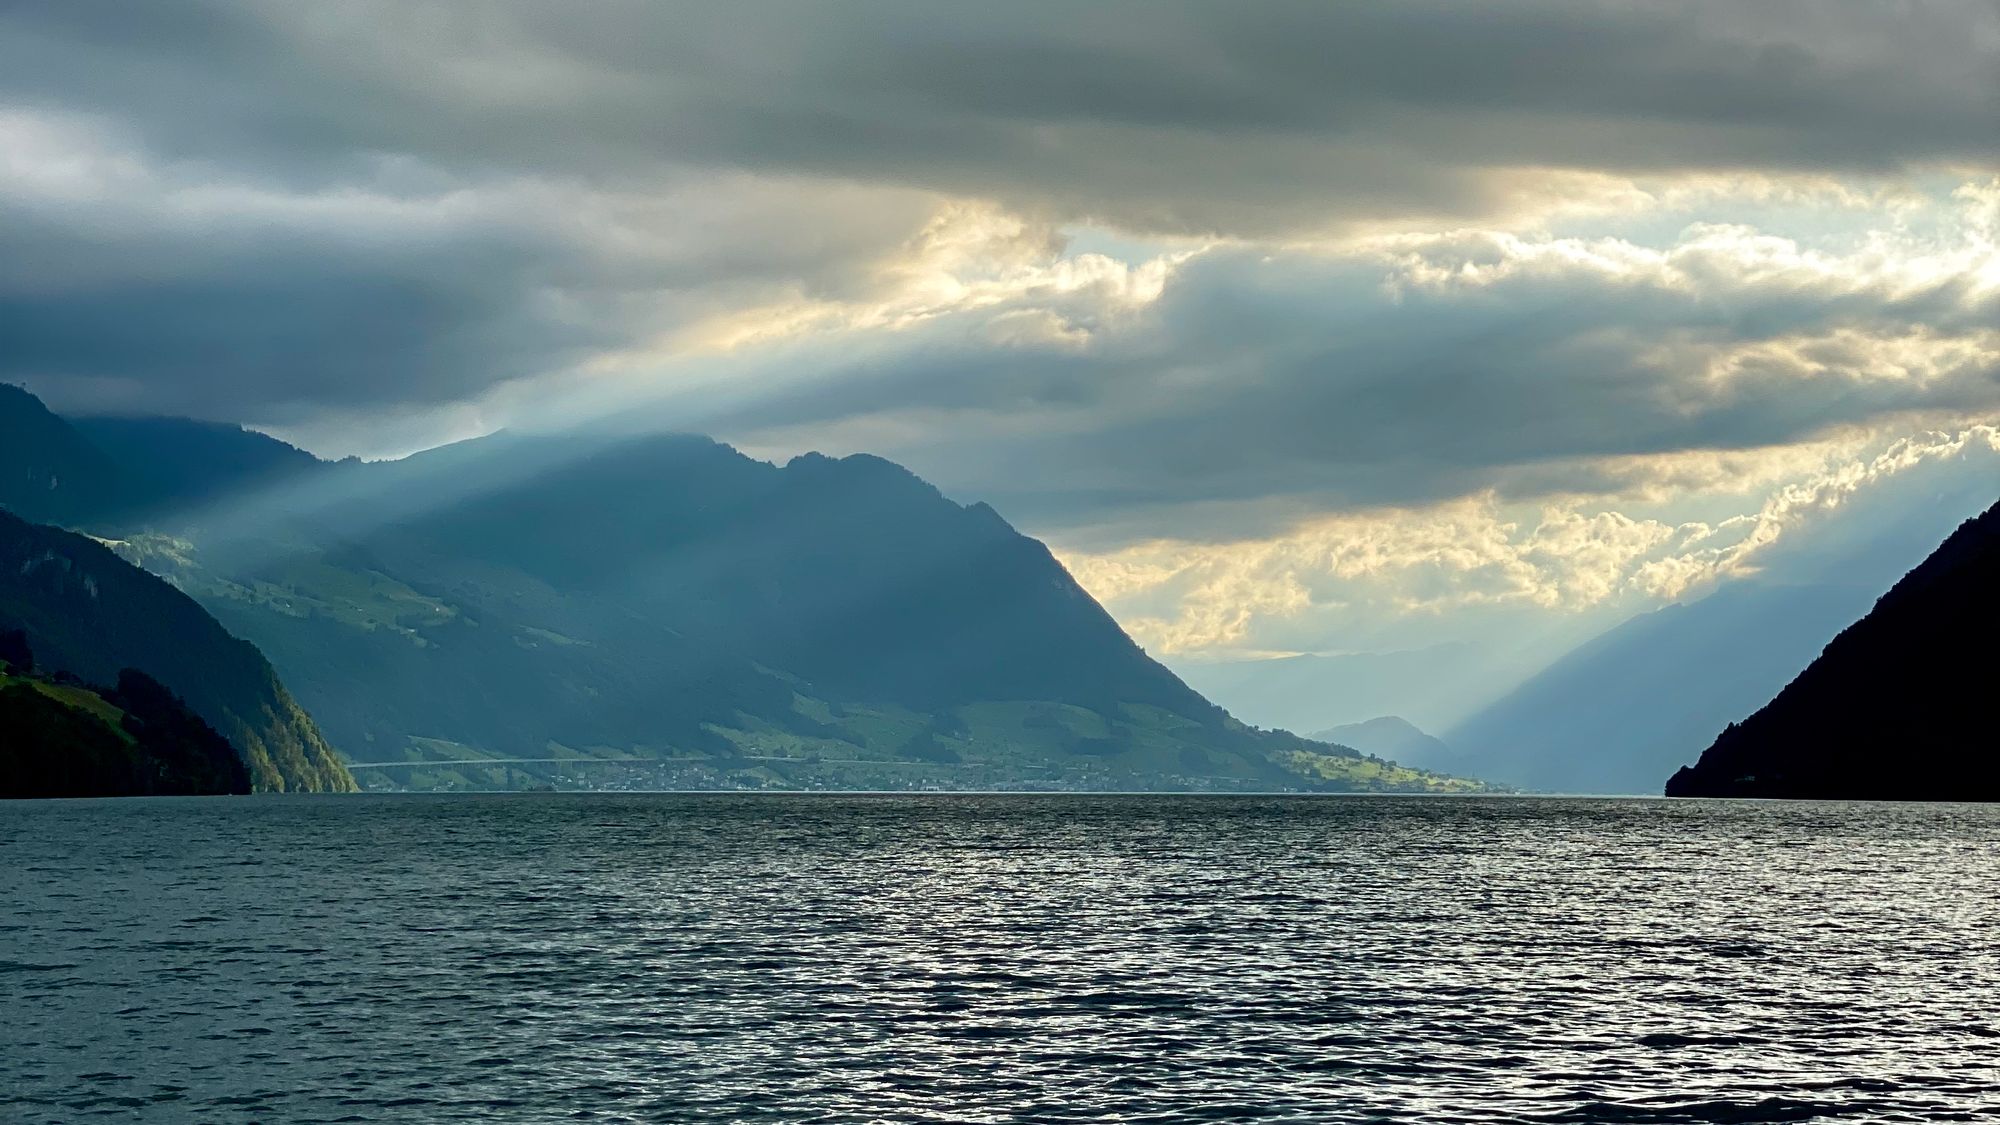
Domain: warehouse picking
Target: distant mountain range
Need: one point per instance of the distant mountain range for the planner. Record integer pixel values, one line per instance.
(1897, 707)
(1315, 691)
(652, 612)
(1397, 739)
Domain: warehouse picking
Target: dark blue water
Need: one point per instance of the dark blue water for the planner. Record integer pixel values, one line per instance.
(1014, 958)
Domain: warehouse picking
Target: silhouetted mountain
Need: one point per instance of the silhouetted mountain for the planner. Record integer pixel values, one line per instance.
(49, 472)
(63, 738)
(89, 614)
(1897, 707)
(1396, 739)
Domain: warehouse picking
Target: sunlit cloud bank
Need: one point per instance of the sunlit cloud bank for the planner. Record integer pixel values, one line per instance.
(1248, 388)
(1340, 576)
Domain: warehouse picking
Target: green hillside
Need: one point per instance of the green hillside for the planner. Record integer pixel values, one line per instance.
(89, 614)
(63, 738)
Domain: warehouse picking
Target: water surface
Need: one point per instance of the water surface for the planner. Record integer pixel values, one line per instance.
(1007, 958)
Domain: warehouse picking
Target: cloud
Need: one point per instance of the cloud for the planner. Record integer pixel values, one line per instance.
(275, 211)
(136, 282)
(1297, 325)
(1363, 577)
(1240, 389)
(1146, 115)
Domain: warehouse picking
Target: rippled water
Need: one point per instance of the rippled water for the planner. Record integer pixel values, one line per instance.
(1010, 958)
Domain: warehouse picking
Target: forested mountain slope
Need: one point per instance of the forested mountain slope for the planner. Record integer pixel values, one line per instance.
(88, 613)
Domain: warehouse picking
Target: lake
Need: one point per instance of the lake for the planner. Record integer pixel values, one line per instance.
(578, 957)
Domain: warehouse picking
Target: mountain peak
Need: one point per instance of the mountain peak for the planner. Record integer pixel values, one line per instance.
(49, 472)
(1396, 738)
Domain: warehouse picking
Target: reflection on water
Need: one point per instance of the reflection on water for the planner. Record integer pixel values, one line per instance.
(1008, 958)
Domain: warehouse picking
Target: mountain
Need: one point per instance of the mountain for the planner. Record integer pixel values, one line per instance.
(1895, 708)
(663, 611)
(114, 472)
(1316, 691)
(174, 464)
(90, 615)
(666, 612)
(851, 574)
(63, 738)
(1396, 739)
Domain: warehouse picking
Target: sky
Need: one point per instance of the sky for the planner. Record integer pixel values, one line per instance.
(1293, 327)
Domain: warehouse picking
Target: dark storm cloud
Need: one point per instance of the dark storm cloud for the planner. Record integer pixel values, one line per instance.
(166, 319)
(1157, 115)
(1152, 117)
